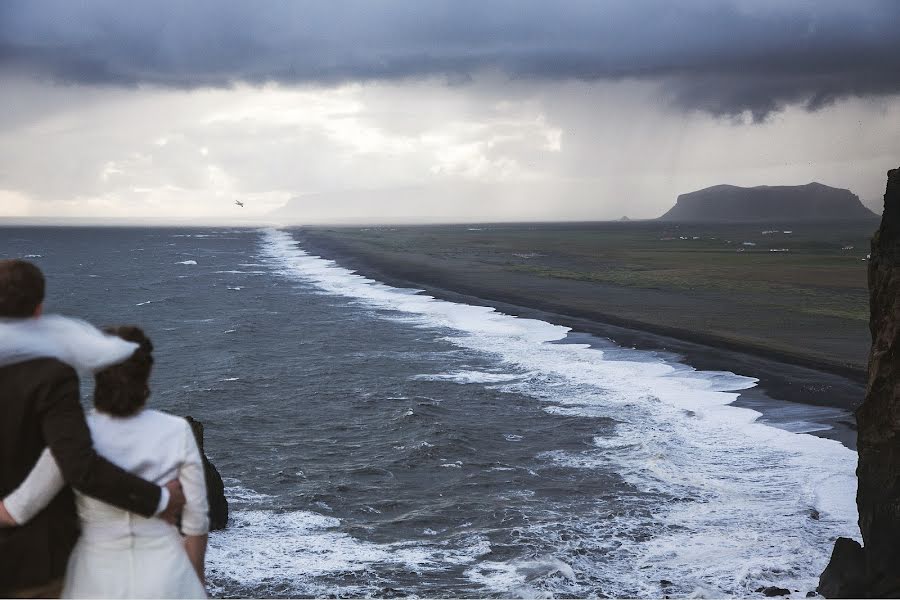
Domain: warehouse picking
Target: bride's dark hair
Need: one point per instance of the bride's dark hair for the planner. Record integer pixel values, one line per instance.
(122, 389)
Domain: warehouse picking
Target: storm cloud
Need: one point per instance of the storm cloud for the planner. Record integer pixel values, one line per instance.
(723, 58)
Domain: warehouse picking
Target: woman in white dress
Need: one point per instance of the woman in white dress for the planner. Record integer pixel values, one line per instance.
(120, 554)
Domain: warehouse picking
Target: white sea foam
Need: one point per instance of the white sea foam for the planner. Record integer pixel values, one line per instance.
(238, 493)
(186, 262)
(470, 377)
(514, 576)
(748, 488)
(264, 551)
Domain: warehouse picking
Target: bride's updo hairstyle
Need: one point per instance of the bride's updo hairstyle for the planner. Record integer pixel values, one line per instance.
(122, 389)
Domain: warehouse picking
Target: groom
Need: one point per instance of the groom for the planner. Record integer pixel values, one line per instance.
(40, 407)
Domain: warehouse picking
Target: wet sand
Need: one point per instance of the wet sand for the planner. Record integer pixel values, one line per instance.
(809, 394)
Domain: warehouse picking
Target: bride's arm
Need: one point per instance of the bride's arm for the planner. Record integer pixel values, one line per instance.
(40, 487)
(196, 551)
(195, 518)
(6, 519)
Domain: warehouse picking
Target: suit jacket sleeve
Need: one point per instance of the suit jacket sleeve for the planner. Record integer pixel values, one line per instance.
(69, 439)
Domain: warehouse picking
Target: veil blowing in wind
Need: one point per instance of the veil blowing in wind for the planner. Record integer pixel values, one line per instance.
(72, 341)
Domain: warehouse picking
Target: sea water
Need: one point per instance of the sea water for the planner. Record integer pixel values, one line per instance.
(377, 441)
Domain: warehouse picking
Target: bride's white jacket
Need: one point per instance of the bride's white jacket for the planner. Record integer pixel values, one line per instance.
(153, 445)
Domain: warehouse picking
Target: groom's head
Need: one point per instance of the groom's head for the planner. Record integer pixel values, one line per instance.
(21, 289)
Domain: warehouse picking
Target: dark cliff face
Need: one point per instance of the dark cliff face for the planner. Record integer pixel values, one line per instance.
(729, 203)
(215, 487)
(874, 569)
(879, 416)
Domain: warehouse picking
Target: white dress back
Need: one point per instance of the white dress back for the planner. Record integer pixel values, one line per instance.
(124, 555)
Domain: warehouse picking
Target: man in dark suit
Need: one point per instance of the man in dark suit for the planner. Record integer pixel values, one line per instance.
(40, 407)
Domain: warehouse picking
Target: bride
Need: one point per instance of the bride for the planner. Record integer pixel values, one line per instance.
(121, 554)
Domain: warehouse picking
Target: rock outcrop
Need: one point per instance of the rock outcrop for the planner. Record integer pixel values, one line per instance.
(873, 570)
(768, 204)
(845, 575)
(215, 487)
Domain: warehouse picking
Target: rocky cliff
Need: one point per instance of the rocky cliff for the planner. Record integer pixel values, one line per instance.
(215, 487)
(873, 570)
(762, 204)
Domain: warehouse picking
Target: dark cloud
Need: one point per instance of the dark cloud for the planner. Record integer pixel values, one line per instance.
(720, 57)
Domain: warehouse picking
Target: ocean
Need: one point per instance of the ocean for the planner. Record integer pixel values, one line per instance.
(379, 442)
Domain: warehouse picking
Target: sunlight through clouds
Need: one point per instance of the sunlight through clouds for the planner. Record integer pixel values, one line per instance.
(418, 150)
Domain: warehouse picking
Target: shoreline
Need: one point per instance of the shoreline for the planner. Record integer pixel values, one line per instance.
(445, 280)
(820, 393)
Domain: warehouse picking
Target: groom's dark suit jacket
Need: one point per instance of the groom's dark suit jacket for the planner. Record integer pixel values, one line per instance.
(40, 407)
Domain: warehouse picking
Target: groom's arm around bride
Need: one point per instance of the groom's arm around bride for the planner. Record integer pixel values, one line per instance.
(64, 430)
(40, 407)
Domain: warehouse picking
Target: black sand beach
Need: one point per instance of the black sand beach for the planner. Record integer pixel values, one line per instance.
(812, 392)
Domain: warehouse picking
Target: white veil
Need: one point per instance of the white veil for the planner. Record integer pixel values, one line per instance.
(72, 341)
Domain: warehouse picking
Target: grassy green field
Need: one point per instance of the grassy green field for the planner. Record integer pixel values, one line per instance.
(822, 272)
(747, 280)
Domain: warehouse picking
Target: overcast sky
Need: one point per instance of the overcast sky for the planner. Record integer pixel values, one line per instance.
(449, 111)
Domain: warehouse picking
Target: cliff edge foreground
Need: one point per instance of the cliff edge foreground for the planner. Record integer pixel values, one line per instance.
(873, 570)
(215, 487)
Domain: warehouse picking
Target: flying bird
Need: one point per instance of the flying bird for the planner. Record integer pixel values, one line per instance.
(239, 203)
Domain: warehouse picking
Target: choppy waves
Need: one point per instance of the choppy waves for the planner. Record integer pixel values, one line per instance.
(266, 552)
(722, 505)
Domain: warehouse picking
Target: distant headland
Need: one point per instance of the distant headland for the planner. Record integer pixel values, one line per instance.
(786, 203)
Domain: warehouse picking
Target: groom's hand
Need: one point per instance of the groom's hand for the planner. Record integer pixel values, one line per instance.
(6, 519)
(176, 502)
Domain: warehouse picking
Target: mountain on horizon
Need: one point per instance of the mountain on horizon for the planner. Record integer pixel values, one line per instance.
(730, 203)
